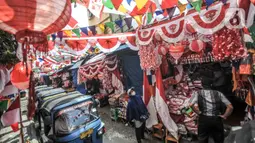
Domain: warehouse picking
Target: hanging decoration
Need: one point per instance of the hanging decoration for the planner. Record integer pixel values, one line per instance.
(176, 51)
(197, 46)
(20, 75)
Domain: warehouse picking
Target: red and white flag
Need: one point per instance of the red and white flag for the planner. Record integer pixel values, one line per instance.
(162, 107)
(249, 9)
(12, 115)
(96, 7)
(149, 102)
(9, 89)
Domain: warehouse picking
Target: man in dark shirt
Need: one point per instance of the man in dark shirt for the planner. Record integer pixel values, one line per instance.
(209, 105)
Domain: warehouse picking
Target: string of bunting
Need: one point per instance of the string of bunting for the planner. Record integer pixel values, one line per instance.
(142, 7)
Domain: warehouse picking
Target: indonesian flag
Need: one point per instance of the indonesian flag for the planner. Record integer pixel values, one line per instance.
(149, 102)
(12, 115)
(162, 107)
(249, 9)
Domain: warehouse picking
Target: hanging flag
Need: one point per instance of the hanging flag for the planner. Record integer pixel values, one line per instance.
(142, 11)
(4, 104)
(116, 3)
(119, 23)
(128, 6)
(134, 24)
(197, 4)
(110, 25)
(224, 1)
(122, 9)
(15, 127)
(149, 102)
(189, 6)
(159, 15)
(182, 7)
(68, 33)
(108, 4)
(247, 35)
(140, 3)
(77, 32)
(60, 35)
(12, 115)
(162, 108)
(9, 89)
(128, 22)
(101, 26)
(53, 36)
(84, 30)
(249, 9)
(183, 2)
(168, 3)
(208, 3)
(96, 7)
(170, 12)
(93, 29)
(138, 19)
(147, 19)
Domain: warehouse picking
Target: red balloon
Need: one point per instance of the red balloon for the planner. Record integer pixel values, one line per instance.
(20, 76)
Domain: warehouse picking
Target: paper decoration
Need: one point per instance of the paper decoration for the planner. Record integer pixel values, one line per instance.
(101, 26)
(122, 9)
(108, 4)
(197, 4)
(170, 12)
(140, 3)
(68, 33)
(96, 7)
(119, 23)
(60, 35)
(147, 19)
(182, 7)
(77, 32)
(53, 36)
(138, 19)
(85, 30)
(209, 2)
(93, 29)
(110, 25)
(128, 22)
(116, 3)
(168, 3)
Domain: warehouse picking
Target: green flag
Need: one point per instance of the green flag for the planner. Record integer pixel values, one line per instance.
(149, 18)
(77, 32)
(108, 4)
(110, 25)
(197, 4)
(4, 104)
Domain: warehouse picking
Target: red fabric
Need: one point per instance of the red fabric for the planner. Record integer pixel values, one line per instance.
(164, 66)
(177, 33)
(42, 48)
(116, 3)
(31, 98)
(146, 89)
(245, 4)
(142, 11)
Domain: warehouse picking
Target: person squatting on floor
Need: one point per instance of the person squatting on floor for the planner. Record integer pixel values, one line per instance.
(137, 113)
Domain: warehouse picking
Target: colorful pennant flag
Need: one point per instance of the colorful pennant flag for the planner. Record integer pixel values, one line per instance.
(53, 36)
(116, 3)
(140, 3)
(110, 25)
(4, 104)
(138, 19)
(96, 7)
(77, 32)
(197, 4)
(101, 26)
(128, 22)
(134, 24)
(168, 3)
(147, 19)
(85, 30)
(208, 3)
(170, 12)
(60, 35)
(182, 7)
(68, 33)
(108, 4)
(93, 29)
(122, 9)
(119, 23)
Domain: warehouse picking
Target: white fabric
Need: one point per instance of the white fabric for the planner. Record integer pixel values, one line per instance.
(251, 15)
(10, 117)
(96, 7)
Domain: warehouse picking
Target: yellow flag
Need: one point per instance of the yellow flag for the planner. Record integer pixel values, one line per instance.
(140, 3)
(68, 33)
(182, 7)
(138, 19)
(101, 26)
(122, 9)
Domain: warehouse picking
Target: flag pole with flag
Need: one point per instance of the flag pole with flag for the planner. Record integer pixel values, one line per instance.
(162, 108)
(149, 102)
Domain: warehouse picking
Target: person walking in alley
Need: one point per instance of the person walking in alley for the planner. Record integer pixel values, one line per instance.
(212, 107)
(138, 113)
